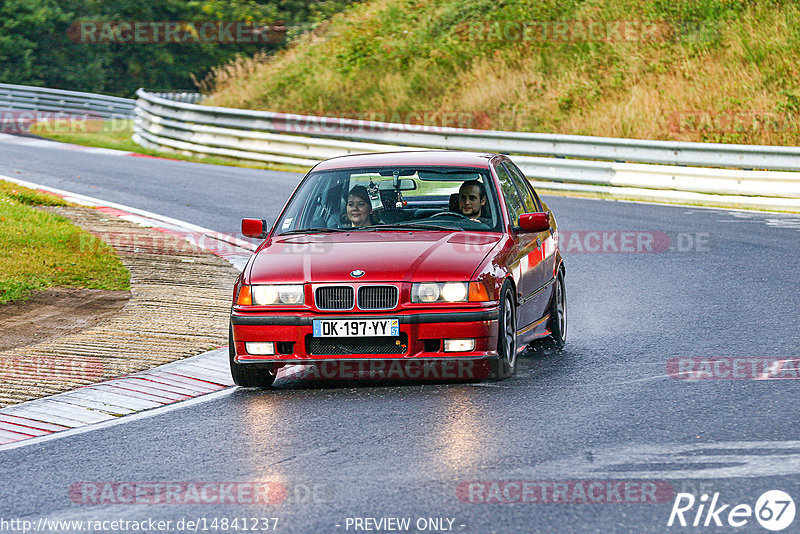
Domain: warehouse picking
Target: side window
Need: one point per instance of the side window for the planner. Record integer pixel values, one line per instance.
(525, 190)
(538, 200)
(513, 202)
(320, 207)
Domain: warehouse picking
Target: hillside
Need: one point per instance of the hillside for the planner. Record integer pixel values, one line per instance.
(699, 70)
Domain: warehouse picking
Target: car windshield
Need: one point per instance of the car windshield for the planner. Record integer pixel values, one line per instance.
(390, 198)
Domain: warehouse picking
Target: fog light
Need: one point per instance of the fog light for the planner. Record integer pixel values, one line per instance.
(459, 345)
(262, 349)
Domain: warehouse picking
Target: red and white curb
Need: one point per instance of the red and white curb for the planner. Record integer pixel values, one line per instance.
(123, 399)
(106, 402)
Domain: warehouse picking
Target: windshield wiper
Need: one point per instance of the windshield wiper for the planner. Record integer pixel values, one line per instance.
(314, 231)
(415, 226)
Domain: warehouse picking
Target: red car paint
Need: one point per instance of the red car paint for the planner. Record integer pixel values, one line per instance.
(528, 260)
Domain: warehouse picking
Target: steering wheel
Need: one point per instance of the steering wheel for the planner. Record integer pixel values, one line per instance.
(453, 213)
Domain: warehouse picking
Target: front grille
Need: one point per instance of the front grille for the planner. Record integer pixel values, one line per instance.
(316, 346)
(377, 297)
(334, 297)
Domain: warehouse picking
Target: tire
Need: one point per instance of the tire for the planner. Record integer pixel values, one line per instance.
(246, 376)
(505, 365)
(558, 315)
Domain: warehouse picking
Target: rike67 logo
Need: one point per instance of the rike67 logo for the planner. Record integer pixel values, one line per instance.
(774, 510)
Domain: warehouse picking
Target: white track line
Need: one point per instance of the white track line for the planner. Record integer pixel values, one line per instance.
(47, 143)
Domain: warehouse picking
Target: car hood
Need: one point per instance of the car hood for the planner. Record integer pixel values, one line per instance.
(383, 256)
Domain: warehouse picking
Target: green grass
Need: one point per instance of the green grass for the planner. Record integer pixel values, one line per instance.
(40, 250)
(117, 134)
(400, 57)
(107, 134)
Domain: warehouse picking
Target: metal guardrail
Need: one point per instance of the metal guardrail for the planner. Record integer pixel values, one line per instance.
(523, 143)
(30, 98)
(164, 123)
(187, 97)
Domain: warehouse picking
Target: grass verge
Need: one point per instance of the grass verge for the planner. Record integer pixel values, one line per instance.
(39, 249)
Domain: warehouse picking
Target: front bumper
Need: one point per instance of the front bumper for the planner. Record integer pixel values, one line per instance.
(421, 335)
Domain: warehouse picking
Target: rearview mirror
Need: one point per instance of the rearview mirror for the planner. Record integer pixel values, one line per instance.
(404, 184)
(534, 222)
(254, 228)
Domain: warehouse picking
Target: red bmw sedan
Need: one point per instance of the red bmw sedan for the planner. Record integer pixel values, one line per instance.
(410, 256)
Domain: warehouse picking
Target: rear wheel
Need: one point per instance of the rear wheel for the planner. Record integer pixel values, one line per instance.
(558, 315)
(505, 365)
(246, 376)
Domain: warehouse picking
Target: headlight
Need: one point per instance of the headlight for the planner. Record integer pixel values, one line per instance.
(454, 292)
(439, 292)
(265, 295)
(425, 292)
(290, 294)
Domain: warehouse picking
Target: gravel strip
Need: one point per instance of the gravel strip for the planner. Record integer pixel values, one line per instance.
(179, 307)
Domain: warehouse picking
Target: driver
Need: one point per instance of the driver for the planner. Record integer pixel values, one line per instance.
(359, 207)
(471, 200)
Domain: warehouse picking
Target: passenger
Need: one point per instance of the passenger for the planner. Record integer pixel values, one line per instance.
(471, 200)
(359, 207)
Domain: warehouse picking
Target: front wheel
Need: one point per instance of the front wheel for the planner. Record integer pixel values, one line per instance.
(246, 376)
(558, 314)
(506, 363)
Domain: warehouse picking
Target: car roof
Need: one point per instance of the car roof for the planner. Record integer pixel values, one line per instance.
(411, 158)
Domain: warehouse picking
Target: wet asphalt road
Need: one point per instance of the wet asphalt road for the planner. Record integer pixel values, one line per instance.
(603, 410)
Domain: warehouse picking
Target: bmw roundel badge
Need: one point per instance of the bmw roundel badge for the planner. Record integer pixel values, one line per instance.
(358, 273)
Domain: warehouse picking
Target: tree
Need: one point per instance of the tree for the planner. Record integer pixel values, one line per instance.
(40, 43)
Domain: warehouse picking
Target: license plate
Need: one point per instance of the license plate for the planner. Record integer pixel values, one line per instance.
(356, 327)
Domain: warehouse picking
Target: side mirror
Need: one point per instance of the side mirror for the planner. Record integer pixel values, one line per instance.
(534, 222)
(254, 228)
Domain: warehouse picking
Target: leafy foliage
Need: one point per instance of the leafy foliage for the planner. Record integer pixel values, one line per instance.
(39, 45)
